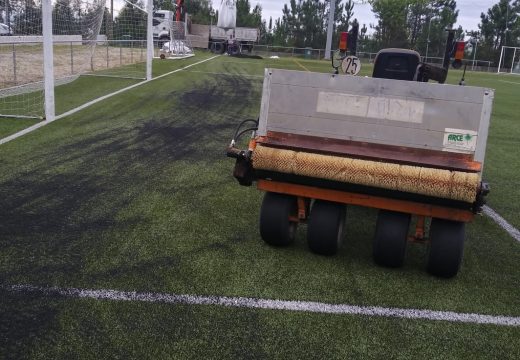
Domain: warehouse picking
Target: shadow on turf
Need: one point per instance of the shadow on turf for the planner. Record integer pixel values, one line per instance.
(58, 211)
(25, 321)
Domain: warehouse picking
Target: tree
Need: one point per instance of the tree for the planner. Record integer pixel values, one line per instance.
(302, 24)
(130, 23)
(500, 26)
(342, 16)
(63, 21)
(390, 30)
(199, 11)
(281, 33)
(27, 18)
(246, 17)
(349, 14)
(440, 15)
(417, 24)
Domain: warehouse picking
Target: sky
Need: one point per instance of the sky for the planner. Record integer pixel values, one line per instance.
(469, 11)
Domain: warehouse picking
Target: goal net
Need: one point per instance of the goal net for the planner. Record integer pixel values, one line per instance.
(87, 39)
(509, 60)
(179, 45)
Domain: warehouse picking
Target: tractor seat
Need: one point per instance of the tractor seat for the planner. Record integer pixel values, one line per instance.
(398, 64)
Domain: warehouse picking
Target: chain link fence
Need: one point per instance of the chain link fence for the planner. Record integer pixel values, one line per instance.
(365, 57)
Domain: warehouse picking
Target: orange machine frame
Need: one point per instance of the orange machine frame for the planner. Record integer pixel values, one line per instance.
(305, 194)
(377, 202)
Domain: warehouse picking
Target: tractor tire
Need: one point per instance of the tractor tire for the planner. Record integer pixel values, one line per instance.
(325, 228)
(217, 48)
(275, 227)
(446, 247)
(389, 246)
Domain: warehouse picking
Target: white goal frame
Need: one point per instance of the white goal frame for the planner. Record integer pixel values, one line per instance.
(516, 52)
(48, 57)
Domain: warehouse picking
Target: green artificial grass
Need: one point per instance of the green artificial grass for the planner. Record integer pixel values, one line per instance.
(82, 90)
(135, 193)
(87, 329)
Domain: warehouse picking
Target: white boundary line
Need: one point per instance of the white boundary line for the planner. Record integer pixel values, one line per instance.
(90, 103)
(251, 303)
(225, 74)
(511, 230)
(510, 82)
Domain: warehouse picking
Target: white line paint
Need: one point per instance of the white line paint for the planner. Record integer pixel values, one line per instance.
(225, 74)
(90, 103)
(511, 230)
(251, 303)
(510, 82)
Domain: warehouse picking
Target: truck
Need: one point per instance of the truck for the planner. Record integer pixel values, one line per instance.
(205, 36)
(4, 30)
(412, 149)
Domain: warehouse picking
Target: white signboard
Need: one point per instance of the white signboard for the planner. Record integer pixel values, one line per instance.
(460, 140)
(351, 65)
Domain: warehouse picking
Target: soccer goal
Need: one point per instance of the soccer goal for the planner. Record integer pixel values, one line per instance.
(509, 60)
(52, 49)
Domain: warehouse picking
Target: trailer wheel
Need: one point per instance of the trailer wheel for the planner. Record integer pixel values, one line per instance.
(390, 239)
(326, 227)
(275, 227)
(446, 247)
(217, 47)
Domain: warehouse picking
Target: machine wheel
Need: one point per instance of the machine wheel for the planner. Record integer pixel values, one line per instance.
(275, 227)
(217, 48)
(446, 247)
(326, 227)
(390, 239)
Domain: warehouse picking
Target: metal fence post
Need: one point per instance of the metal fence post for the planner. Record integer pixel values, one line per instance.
(108, 55)
(14, 63)
(71, 59)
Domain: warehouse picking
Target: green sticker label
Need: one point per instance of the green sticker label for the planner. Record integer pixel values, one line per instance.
(460, 140)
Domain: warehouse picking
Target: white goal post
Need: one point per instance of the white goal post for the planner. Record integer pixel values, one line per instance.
(46, 44)
(509, 60)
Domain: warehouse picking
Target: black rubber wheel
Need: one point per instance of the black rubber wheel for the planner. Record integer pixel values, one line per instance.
(390, 239)
(326, 227)
(446, 247)
(275, 227)
(217, 48)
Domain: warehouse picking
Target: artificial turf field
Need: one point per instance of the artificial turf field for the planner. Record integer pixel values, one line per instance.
(135, 194)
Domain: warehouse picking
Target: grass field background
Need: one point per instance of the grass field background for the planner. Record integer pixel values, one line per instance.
(135, 194)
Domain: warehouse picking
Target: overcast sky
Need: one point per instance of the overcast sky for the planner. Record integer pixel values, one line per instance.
(469, 11)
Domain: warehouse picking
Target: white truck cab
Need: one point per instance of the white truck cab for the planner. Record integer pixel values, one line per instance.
(162, 20)
(4, 30)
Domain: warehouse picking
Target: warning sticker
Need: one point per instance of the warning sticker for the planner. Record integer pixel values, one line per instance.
(460, 140)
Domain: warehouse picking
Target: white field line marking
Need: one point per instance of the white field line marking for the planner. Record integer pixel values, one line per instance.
(511, 230)
(225, 74)
(90, 103)
(510, 82)
(251, 303)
